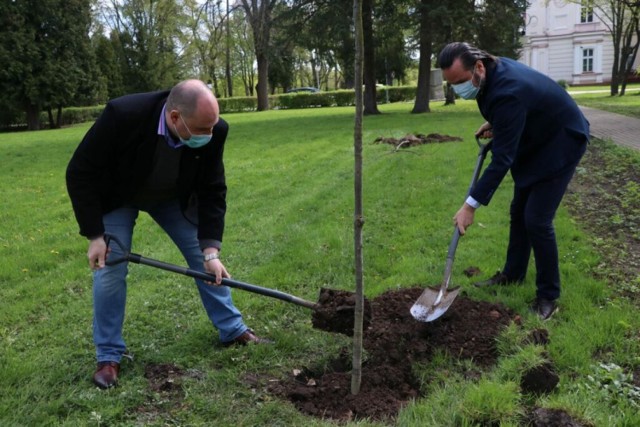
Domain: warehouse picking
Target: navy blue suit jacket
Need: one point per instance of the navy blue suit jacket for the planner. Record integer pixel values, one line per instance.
(116, 156)
(538, 130)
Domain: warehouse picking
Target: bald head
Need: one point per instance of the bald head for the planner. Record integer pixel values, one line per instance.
(193, 102)
(189, 96)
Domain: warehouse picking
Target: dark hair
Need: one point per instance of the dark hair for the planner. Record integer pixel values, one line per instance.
(467, 53)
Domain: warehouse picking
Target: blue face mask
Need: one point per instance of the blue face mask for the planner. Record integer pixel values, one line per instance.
(467, 90)
(194, 141)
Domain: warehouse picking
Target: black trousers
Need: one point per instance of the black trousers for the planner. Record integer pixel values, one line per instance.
(533, 209)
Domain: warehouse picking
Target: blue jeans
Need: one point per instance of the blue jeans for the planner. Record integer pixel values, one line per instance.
(110, 285)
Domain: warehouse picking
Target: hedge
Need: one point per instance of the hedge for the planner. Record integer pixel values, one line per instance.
(341, 98)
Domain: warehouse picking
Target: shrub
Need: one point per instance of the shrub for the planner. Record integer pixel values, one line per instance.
(238, 105)
(306, 100)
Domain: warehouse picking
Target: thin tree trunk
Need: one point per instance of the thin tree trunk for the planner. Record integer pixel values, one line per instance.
(424, 68)
(358, 218)
(227, 70)
(369, 71)
(59, 117)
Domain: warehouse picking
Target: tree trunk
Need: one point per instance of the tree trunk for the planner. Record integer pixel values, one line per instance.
(358, 218)
(370, 102)
(259, 15)
(50, 117)
(424, 68)
(263, 87)
(33, 117)
(59, 117)
(227, 70)
(449, 95)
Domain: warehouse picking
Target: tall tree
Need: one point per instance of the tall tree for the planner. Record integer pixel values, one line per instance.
(46, 55)
(493, 35)
(259, 14)
(107, 61)
(324, 28)
(207, 27)
(145, 35)
(620, 17)
(243, 51)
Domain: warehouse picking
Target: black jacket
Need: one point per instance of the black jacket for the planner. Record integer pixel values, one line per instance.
(538, 130)
(116, 156)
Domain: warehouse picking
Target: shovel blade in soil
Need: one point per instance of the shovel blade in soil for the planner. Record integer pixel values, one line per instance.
(431, 305)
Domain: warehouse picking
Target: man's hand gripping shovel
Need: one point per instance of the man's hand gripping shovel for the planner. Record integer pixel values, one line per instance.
(433, 303)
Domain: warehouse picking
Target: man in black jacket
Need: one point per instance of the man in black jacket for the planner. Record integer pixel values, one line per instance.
(161, 153)
(538, 134)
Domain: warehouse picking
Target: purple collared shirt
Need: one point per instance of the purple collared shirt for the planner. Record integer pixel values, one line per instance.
(162, 130)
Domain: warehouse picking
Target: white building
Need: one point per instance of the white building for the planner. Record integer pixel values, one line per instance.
(567, 41)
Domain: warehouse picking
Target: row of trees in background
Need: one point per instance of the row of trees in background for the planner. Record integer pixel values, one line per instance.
(60, 53)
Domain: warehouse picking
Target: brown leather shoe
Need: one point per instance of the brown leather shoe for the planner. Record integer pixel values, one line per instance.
(106, 375)
(247, 337)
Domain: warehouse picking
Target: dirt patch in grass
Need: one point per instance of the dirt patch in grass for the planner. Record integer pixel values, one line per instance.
(393, 343)
(604, 198)
(411, 140)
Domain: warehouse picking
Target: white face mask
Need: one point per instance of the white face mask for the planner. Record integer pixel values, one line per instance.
(467, 90)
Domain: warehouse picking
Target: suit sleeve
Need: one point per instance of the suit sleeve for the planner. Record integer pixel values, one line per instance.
(86, 173)
(508, 118)
(212, 192)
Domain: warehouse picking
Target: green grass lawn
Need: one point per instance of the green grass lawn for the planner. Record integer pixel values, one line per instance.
(598, 97)
(289, 226)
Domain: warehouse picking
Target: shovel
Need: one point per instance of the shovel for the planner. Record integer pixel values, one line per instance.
(334, 311)
(139, 259)
(433, 303)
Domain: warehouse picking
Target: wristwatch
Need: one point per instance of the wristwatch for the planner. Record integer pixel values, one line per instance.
(212, 255)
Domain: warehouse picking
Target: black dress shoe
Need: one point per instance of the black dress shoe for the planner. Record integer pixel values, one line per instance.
(106, 375)
(497, 279)
(247, 337)
(544, 308)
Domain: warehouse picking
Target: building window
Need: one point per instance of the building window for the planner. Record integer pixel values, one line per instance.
(586, 11)
(587, 60)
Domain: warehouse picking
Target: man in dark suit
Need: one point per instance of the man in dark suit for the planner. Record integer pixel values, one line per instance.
(539, 134)
(161, 153)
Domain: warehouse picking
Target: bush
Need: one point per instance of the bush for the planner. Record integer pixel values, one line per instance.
(563, 84)
(305, 100)
(238, 105)
(341, 98)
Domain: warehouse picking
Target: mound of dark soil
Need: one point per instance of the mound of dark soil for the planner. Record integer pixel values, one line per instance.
(393, 342)
(411, 140)
(336, 310)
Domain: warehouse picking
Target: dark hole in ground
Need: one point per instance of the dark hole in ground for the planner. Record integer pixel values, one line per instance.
(335, 312)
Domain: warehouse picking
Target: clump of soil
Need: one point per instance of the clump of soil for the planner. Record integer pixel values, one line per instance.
(393, 342)
(542, 417)
(472, 271)
(166, 377)
(541, 379)
(335, 312)
(411, 140)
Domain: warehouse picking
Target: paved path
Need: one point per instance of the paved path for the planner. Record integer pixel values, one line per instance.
(622, 130)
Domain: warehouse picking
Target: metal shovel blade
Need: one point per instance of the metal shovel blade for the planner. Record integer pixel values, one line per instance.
(433, 303)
